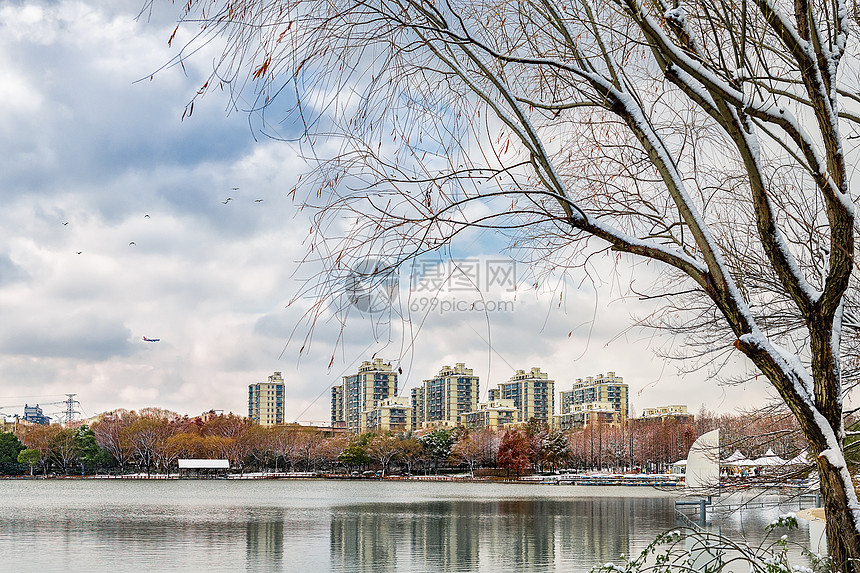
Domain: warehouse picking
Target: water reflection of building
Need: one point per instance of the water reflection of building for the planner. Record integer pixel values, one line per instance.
(526, 534)
(363, 541)
(568, 535)
(445, 536)
(606, 517)
(437, 536)
(264, 545)
(511, 535)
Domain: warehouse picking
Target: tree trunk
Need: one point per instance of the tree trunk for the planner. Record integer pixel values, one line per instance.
(843, 533)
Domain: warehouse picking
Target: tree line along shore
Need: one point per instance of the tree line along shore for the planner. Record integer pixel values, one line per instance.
(153, 440)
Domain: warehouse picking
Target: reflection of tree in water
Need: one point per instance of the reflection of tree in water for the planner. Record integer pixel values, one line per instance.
(460, 535)
(264, 545)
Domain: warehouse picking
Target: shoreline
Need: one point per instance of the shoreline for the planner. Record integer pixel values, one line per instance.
(635, 481)
(661, 481)
(540, 480)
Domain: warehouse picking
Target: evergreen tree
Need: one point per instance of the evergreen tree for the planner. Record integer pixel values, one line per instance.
(10, 447)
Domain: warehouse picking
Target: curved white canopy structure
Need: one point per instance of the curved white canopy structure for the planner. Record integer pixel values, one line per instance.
(703, 462)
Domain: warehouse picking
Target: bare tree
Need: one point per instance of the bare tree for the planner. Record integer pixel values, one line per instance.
(712, 137)
(411, 452)
(235, 444)
(330, 449)
(308, 441)
(284, 445)
(175, 447)
(146, 436)
(384, 448)
(259, 441)
(469, 449)
(112, 435)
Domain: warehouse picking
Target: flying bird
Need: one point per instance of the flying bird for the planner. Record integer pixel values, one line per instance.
(258, 200)
(132, 243)
(235, 188)
(147, 216)
(145, 339)
(78, 252)
(65, 223)
(228, 200)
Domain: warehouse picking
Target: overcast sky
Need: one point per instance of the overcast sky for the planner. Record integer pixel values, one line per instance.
(116, 225)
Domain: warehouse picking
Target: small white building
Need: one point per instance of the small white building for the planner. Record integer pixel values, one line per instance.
(205, 466)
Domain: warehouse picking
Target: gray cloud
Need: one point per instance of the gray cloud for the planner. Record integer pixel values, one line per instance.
(79, 335)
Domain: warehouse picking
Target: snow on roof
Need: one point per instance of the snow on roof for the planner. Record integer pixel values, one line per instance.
(770, 459)
(800, 459)
(204, 464)
(735, 457)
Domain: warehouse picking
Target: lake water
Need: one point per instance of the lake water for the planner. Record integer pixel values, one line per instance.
(343, 526)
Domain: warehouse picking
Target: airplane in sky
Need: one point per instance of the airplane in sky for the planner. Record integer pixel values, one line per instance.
(151, 339)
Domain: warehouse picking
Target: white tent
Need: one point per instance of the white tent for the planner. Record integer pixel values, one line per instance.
(679, 467)
(734, 459)
(769, 459)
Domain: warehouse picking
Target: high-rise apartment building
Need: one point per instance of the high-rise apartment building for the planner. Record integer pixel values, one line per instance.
(441, 400)
(659, 411)
(266, 401)
(494, 415)
(672, 412)
(392, 414)
(582, 415)
(338, 410)
(418, 402)
(532, 392)
(375, 381)
(603, 389)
